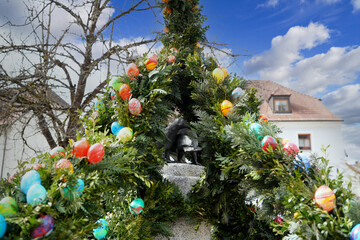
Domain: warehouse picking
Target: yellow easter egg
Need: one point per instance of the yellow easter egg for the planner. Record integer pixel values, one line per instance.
(218, 75)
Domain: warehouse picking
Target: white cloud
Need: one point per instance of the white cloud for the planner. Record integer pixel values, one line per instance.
(285, 64)
(356, 4)
(329, 1)
(269, 3)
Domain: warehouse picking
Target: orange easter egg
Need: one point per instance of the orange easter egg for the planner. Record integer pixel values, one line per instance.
(325, 198)
(124, 91)
(151, 63)
(226, 107)
(64, 163)
(133, 71)
(225, 71)
(167, 11)
(166, 30)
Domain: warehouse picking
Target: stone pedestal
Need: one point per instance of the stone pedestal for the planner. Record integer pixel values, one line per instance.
(185, 176)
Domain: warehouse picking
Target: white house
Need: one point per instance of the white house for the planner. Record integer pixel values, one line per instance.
(305, 121)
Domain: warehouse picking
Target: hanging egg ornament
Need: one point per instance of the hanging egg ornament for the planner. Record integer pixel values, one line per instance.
(166, 30)
(165, 1)
(174, 50)
(81, 148)
(45, 228)
(284, 141)
(125, 134)
(171, 59)
(225, 71)
(8, 206)
(116, 84)
(291, 148)
(279, 220)
(36, 194)
(226, 107)
(218, 75)
(236, 93)
(325, 198)
(137, 206)
(268, 141)
(98, 105)
(96, 153)
(167, 11)
(133, 71)
(63, 164)
(354, 234)
(134, 106)
(101, 231)
(74, 191)
(2, 226)
(30, 178)
(57, 151)
(116, 127)
(151, 63)
(301, 160)
(263, 118)
(112, 95)
(256, 129)
(125, 91)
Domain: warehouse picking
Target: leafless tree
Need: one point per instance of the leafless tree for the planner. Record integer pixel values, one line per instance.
(49, 59)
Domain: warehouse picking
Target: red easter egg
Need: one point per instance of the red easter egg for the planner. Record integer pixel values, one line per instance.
(57, 151)
(325, 198)
(125, 91)
(133, 71)
(45, 228)
(64, 163)
(268, 141)
(81, 148)
(171, 59)
(291, 148)
(151, 63)
(96, 153)
(134, 106)
(279, 220)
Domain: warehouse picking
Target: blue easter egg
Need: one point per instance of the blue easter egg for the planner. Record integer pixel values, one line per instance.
(2, 226)
(36, 194)
(45, 228)
(256, 129)
(101, 231)
(355, 233)
(30, 178)
(76, 190)
(302, 160)
(137, 206)
(116, 127)
(236, 93)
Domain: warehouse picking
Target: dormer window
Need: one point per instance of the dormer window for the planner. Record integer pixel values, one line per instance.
(280, 104)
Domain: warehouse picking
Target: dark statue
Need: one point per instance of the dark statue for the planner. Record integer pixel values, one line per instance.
(180, 139)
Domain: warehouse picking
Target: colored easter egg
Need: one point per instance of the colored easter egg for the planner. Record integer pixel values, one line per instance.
(57, 151)
(171, 59)
(224, 71)
(268, 141)
(36, 194)
(116, 127)
(165, 1)
(301, 160)
(151, 63)
(291, 148)
(133, 71)
(354, 234)
(74, 191)
(116, 84)
(30, 178)
(167, 11)
(284, 141)
(125, 91)
(125, 134)
(45, 228)
(263, 118)
(101, 231)
(279, 220)
(81, 148)
(8, 206)
(236, 93)
(325, 198)
(137, 206)
(96, 153)
(64, 164)
(98, 105)
(226, 107)
(166, 30)
(218, 75)
(174, 50)
(112, 95)
(134, 106)
(2, 226)
(256, 129)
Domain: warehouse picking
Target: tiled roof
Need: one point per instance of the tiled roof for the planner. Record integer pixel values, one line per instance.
(303, 107)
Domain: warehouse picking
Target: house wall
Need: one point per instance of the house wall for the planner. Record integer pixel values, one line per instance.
(15, 149)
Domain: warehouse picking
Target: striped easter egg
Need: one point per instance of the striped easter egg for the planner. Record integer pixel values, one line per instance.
(325, 198)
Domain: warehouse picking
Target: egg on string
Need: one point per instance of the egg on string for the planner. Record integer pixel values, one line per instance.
(236, 93)
(101, 231)
(218, 75)
(2, 226)
(96, 153)
(116, 84)
(133, 71)
(354, 234)
(74, 191)
(125, 134)
(134, 106)
(268, 141)
(64, 164)
(256, 130)
(81, 148)
(57, 151)
(112, 95)
(45, 228)
(226, 107)
(151, 63)
(30, 178)
(125, 91)
(36, 194)
(325, 198)
(263, 118)
(137, 206)
(171, 59)
(8, 206)
(279, 220)
(291, 148)
(166, 30)
(116, 127)
(225, 71)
